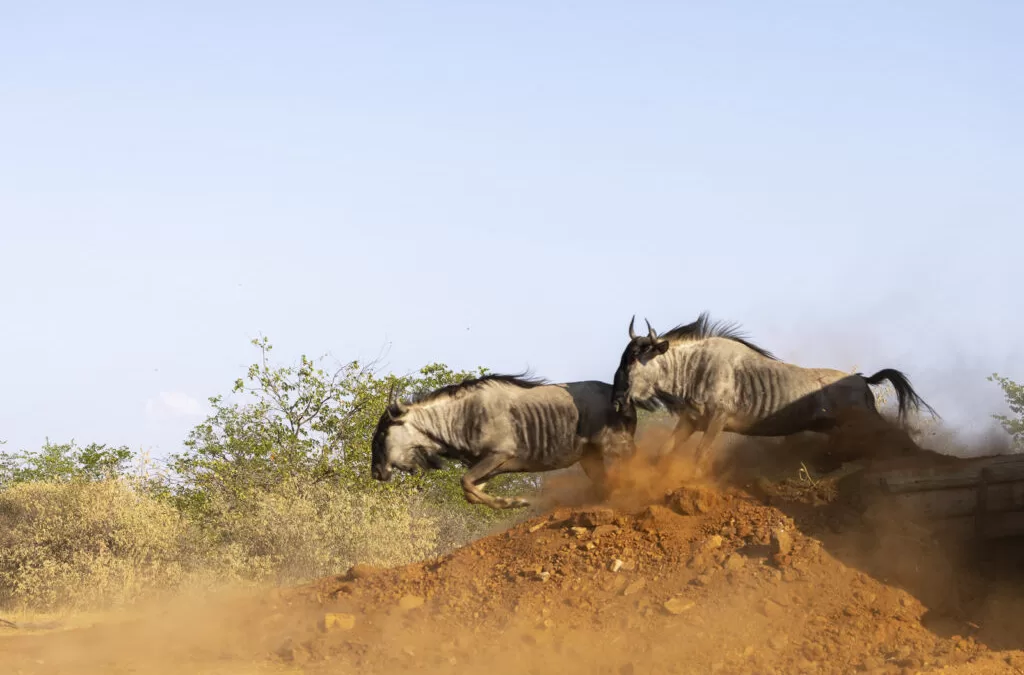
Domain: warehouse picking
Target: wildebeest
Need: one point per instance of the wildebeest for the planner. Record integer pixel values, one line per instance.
(499, 424)
(715, 380)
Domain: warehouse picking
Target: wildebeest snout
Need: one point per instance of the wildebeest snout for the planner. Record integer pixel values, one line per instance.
(381, 472)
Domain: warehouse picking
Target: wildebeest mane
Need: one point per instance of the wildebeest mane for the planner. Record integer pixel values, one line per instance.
(451, 390)
(704, 328)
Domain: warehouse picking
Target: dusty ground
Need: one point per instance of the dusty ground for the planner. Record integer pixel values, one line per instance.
(762, 573)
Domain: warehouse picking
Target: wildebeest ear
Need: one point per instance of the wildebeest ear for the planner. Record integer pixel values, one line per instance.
(395, 410)
(660, 347)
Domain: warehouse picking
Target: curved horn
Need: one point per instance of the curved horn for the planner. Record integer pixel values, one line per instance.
(650, 331)
(632, 333)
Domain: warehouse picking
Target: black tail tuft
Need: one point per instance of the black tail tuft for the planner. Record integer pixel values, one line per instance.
(906, 397)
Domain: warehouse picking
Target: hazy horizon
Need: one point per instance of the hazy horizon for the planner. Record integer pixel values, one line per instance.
(501, 186)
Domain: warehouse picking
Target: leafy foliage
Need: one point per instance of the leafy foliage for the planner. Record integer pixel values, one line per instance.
(63, 462)
(274, 483)
(304, 421)
(1014, 393)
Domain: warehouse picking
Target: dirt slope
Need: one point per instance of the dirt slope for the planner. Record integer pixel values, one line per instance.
(707, 581)
(757, 576)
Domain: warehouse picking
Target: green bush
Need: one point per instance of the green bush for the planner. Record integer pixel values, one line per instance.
(1014, 394)
(273, 486)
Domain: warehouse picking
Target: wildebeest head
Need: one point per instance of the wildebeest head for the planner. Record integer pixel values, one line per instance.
(640, 350)
(399, 444)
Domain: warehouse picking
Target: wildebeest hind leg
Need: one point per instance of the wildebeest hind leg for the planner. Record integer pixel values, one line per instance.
(479, 474)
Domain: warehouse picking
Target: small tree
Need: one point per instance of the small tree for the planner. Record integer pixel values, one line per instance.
(1014, 394)
(63, 462)
(301, 422)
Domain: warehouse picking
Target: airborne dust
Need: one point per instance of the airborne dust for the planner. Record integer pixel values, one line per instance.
(767, 569)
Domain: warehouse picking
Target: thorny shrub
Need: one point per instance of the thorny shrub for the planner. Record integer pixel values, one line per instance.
(90, 544)
(85, 543)
(298, 531)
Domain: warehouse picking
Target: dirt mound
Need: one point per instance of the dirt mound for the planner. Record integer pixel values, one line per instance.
(704, 581)
(772, 571)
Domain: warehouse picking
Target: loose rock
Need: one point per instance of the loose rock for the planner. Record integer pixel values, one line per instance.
(635, 587)
(781, 542)
(771, 609)
(678, 605)
(712, 543)
(692, 501)
(593, 517)
(337, 622)
(735, 562)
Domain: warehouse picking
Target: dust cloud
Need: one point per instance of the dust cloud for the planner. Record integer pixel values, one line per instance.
(766, 567)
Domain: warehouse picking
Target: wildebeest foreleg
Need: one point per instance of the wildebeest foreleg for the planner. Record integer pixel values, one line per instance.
(714, 428)
(592, 462)
(682, 432)
(479, 474)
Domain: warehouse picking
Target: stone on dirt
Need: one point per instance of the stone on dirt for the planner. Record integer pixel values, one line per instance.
(635, 587)
(593, 517)
(734, 562)
(712, 543)
(692, 501)
(657, 518)
(337, 621)
(678, 605)
(781, 541)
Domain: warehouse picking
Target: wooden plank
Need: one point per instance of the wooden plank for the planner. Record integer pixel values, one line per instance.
(981, 512)
(975, 497)
(956, 502)
(964, 528)
(1001, 469)
(1002, 525)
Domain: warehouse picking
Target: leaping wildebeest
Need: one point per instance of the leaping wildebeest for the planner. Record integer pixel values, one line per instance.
(715, 380)
(499, 424)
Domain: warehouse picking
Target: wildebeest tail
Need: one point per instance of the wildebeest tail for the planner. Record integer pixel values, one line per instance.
(906, 397)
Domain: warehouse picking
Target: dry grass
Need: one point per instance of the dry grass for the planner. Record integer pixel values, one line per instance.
(92, 545)
(85, 543)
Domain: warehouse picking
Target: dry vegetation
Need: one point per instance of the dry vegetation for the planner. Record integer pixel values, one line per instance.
(84, 545)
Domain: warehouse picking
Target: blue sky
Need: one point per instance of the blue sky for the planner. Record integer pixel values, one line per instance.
(499, 184)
